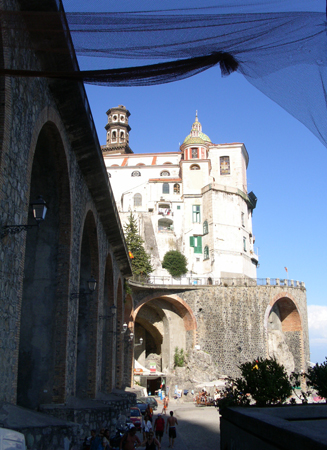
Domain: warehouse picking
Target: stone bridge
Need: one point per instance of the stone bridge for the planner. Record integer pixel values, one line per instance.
(235, 321)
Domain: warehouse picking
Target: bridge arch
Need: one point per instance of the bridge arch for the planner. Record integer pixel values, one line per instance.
(164, 322)
(284, 331)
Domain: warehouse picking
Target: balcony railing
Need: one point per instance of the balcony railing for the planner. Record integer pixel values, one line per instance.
(208, 281)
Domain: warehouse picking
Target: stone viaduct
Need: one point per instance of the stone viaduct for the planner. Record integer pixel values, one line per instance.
(234, 322)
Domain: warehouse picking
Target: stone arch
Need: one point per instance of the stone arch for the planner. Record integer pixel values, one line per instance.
(108, 364)
(163, 322)
(284, 330)
(87, 310)
(44, 314)
(182, 307)
(120, 337)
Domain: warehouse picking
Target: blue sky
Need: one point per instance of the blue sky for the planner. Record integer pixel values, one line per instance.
(287, 167)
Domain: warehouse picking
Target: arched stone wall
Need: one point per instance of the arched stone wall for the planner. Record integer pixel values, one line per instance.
(86, 365)
(285, 333)
(43, 330)
(108, 363)
(119, 337)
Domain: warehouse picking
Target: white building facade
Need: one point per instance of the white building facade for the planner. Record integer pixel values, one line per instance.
(194, 200)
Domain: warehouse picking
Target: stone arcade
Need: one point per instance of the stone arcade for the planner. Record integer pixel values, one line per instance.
(59, 342)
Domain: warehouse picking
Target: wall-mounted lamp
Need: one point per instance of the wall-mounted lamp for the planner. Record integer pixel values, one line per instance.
(131, 336)
(92, 285)
(141, 342)
(113, 309)
(39, 211)
(124, 328)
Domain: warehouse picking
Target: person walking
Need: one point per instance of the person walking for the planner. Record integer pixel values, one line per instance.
(171, 426)
(165, 405)
(151, 443)
(129, 440)
(147, 426)
(159, 427)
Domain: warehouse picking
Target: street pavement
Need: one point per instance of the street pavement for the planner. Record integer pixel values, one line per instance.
(198, 426)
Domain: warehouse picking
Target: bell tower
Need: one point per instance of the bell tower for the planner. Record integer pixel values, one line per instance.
(117, 131)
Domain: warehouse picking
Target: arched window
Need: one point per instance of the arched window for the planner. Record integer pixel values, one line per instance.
(165, 173)
(122, 136)
(194, 167)
(224, 165)
(206, 253)
(205, 227)
(137, 200)
(135, 173)
(165, 188)
(177, 188)
(114, 135)
(194, 153)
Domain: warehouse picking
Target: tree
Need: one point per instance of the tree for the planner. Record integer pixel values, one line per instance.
(175, 262)
(317, 376)
(179, 357)
(140, 259)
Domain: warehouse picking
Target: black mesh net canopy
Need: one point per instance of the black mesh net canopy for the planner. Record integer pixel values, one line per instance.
(282, 53)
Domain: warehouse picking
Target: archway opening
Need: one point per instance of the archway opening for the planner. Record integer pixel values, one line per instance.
(87, 312)
(285, 334)
(42, 349)
(108, 318)
(163, 323)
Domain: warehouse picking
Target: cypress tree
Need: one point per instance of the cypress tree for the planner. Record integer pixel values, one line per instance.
(140, 259)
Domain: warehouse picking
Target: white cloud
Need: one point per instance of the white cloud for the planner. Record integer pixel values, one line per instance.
(317, 319)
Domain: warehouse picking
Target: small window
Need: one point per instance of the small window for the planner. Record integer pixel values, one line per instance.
(137, 200)
(114, 118)
(224, 165)
(178, 206)
(194, 153)
(206, 253)
(114, 135)
(195, 167)
(122, 118)
(165, 188)
(244, 244)
(122, 136)
(196, 214)
(165, 173)
(177, 188)
(242, 218)
(205, 227)
(136, 173)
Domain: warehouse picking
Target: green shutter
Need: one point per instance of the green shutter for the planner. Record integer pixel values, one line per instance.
(191, 241)
(198, 248)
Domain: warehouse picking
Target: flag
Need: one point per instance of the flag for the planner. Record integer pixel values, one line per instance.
(286, 269)
(130, 254)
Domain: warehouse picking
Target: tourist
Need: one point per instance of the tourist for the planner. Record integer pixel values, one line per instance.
(147, 426)
(165, 404)
(151, 442)
(129, 441)
(171, 425)
(159, 427)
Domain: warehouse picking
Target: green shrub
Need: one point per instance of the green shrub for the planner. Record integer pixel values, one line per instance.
(317, 378)
(175, 262)
(179, 357)
(263, 380)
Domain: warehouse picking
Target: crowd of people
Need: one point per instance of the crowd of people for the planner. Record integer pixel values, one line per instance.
(152, 432)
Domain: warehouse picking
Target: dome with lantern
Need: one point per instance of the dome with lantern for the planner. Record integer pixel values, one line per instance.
(196, 136)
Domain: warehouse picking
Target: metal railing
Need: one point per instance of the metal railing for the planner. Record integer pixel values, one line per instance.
(209, 281)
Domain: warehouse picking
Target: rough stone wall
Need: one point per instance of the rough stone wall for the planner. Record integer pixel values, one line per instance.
(232, 321)
(28, 105)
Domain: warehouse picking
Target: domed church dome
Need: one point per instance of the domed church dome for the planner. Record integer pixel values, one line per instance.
(196, 136)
